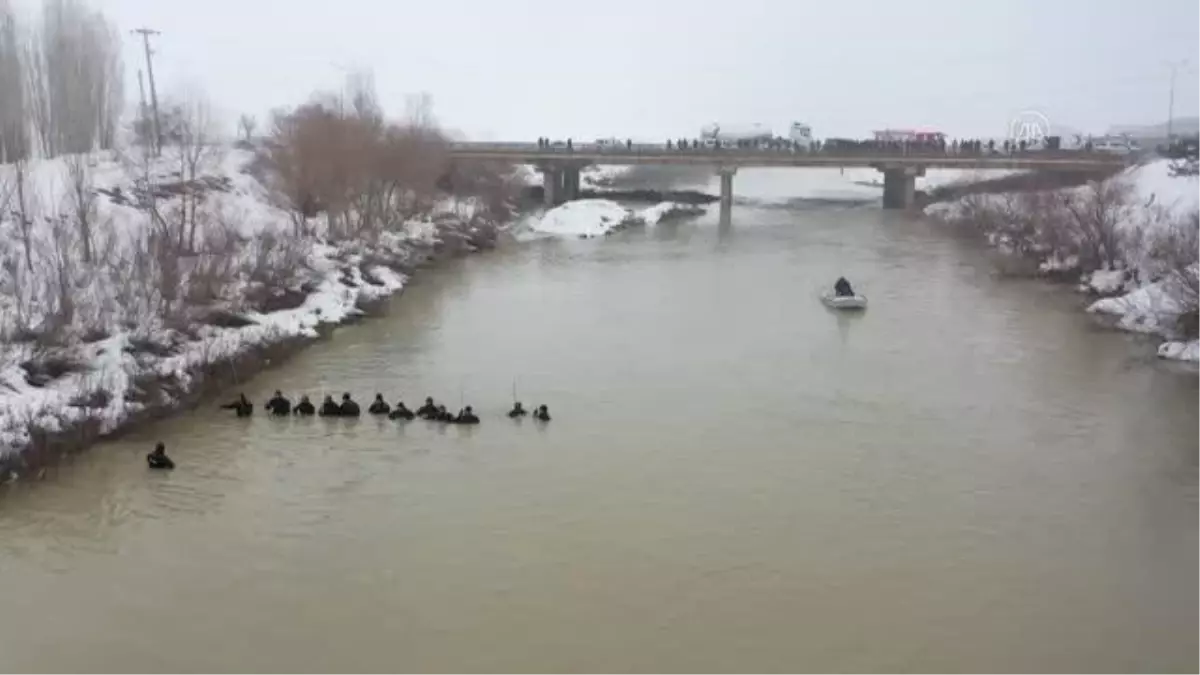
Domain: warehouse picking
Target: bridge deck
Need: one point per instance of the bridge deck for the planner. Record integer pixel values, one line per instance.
(739, 157)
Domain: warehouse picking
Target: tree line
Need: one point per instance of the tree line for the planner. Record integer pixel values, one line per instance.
(61, 81)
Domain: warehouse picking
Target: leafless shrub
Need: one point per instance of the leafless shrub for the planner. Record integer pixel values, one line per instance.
(337, 155)
(81, 199)
(1096, 224)
(1177, 247)
(274, 267)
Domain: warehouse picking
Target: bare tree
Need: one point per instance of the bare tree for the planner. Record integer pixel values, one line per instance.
(1097, 215)
(23, 211)
(81, 198)
(74, 78)
(196, 150)
(14, 123)
(58, 302)
(246, 126)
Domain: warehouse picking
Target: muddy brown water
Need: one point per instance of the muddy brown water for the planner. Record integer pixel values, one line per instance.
(968, 476)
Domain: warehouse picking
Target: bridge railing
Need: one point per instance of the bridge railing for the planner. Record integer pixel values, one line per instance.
(886, 152)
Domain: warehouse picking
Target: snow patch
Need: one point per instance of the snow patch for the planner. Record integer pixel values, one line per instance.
(583, 218)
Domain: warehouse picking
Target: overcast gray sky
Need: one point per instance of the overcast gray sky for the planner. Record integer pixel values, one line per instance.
(517, 69)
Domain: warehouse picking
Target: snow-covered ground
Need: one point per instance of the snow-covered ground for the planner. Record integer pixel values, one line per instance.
(1159, 201)
(587, 218)
(116, 338)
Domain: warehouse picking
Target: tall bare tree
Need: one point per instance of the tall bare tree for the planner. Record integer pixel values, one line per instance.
(74, 78)
(14, 120)
(196, 149)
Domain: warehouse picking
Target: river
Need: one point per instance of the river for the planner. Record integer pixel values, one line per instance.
(969, 476)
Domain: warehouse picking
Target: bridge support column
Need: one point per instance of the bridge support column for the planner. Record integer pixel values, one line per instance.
(570, 183)
(900, 187)
(726, 174)
(552, 186)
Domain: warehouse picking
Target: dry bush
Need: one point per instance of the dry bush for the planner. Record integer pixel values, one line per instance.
(337, 155)
(1096, 224)
(274, 266)
(1177, 249)
(81, 199)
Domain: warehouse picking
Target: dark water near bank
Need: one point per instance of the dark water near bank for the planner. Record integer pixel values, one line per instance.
(968, 476)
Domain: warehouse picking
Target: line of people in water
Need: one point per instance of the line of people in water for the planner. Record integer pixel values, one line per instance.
(280, 405)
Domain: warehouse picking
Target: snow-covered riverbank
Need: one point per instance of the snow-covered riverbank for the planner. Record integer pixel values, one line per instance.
(143, 323)
(1131, 243)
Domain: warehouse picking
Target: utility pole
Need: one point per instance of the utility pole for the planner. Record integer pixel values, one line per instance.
(1175, 66)
(142, 117)
(146, 33)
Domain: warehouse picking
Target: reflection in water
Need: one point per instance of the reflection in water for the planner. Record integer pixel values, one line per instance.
(967, 476)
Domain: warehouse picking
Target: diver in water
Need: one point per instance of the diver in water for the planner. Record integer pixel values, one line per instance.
(158, 459)
(542, 414)
(401, 412)
(842, 288)
(279, 405)
(349, 408)
(329, 408)
(242, 406)
(517, 411)
(443, 415)
(466, 416)
(379, 406)
(305, 407)
(428, 411)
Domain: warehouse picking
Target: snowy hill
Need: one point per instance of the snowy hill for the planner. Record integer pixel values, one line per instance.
(116, 298)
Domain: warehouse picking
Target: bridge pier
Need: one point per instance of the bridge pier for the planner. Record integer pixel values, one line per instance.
(900, 186)
(570, 184)
(726, 173)
(560, 183)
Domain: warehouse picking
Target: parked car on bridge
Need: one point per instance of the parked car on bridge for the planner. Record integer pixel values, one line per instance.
(1115, 145)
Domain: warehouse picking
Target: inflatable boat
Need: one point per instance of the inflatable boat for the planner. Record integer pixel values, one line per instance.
(834, 301)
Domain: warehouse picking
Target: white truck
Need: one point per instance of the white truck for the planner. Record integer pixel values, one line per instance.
(799, 134)
(732, 134)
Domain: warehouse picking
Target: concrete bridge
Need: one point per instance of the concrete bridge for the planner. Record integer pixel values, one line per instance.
(900, 166)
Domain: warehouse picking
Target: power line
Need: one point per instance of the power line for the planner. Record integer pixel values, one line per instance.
(146, 33)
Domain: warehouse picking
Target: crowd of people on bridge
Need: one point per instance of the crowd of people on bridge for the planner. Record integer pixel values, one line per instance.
(932, 146)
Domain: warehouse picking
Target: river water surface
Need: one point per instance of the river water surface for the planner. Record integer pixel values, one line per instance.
(969, 476)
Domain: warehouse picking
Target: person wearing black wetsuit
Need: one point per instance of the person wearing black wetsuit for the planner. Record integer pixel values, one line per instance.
(278, 405)
(466, 416)
(517, 411)
(379, 406)
(444, 415)
(305, 407)
(401, 412)
(158, 459)
(428, 411)
(542, 414)
(842, 288)
(349, 408)
(242, 406)
(329, 408)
